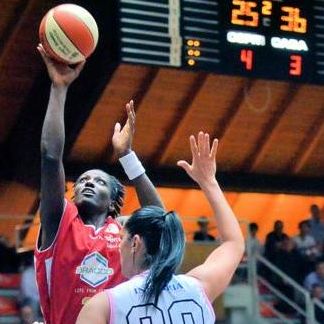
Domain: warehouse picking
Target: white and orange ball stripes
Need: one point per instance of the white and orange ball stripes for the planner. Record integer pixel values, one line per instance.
(68, 33)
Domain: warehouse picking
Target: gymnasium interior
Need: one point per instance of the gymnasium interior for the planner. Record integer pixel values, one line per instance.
(270, 160)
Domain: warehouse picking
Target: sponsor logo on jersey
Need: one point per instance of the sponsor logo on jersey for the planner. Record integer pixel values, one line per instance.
(94, 269)
(112, 228)
(112, 241)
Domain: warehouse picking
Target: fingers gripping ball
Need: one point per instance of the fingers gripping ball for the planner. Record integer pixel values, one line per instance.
(68, 33)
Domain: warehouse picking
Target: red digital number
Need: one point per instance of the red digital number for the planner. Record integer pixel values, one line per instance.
(295, 65)
(247, 58)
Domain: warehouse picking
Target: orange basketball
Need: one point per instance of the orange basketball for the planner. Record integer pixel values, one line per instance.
(68, 33)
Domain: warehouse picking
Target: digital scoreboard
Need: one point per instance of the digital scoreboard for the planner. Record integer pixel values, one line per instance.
(273, 39)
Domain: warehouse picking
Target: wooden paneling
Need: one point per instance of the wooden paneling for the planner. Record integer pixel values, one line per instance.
(95, 138)
(159, 110)
(207, 112)
(16, 202)
(9, 10)
(290, 131)
(19, 64)
(312, 161)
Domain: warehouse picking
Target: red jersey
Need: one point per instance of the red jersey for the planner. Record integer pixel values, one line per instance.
(81, 262)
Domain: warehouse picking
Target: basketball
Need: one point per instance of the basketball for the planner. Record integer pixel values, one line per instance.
(68, 33)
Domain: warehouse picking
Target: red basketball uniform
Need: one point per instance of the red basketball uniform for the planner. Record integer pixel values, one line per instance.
(81, 262)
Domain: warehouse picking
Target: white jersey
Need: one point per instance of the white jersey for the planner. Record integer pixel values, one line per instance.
(182, 301)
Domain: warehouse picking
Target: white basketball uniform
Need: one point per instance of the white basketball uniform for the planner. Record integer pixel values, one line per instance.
(182, 301)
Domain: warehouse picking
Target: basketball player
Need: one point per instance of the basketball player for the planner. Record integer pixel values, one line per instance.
(77, 253)
(152, 248)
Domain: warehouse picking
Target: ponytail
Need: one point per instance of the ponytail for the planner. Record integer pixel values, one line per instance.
(164, 240)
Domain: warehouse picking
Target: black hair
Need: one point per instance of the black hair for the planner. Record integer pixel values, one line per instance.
(302, 223)
(26, 301)
(253, 226)
(117, 195)
(163, 237)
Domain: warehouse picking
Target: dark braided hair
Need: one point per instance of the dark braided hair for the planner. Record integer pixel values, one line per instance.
(117, 195)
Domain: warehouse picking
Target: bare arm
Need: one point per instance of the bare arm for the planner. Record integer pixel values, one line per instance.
(122, 142)
(216, 272)
(96, 310)
(52, 146)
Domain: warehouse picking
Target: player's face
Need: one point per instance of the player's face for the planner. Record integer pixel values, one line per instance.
(126, 254)
(93, 188)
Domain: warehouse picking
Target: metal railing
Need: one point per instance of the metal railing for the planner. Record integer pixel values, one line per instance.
(306, 310)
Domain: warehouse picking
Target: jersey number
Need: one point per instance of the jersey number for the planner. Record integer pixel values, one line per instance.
(180, 312)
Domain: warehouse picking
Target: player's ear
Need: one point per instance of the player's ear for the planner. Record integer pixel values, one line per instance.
(136, 241)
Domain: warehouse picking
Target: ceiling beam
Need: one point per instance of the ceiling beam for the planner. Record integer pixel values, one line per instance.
(138, 97)
(178, 122)
(14, 12)
(232, 111)
(308, 145)
(177, 178)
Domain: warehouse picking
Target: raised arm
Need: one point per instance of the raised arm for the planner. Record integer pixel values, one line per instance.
(216, 272)
(122, 142)
(52, 145)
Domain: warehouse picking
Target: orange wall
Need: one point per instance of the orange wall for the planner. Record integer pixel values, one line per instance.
(263, 209)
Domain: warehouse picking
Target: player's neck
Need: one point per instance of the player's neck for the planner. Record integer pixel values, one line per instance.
(97, 220)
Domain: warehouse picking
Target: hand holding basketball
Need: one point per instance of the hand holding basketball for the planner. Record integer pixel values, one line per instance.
(60, 74)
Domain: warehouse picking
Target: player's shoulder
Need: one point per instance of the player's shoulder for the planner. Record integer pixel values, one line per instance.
(188, 281)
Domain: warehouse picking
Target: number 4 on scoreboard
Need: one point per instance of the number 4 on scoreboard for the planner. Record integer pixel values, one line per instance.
(246, 58)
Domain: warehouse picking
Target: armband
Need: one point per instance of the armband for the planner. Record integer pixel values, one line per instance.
(132, 165)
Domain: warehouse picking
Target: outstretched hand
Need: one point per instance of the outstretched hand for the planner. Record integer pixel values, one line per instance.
(123, 137)
(203, 166)
(61, 74)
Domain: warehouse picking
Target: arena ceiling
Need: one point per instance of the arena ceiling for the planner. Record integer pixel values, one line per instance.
(271, 133)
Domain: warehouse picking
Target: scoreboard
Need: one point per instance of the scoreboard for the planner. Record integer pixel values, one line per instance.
(273, 39)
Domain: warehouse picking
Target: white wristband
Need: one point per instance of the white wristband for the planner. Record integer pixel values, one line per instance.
(132, 165)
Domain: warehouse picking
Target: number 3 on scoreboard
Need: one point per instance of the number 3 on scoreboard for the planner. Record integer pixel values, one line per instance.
(295, 65)
(247, 58)
(245, 15)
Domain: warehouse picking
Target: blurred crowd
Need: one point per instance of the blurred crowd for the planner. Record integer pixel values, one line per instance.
(301, 257)
(11, 263)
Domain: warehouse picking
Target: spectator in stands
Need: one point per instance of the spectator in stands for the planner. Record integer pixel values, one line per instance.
(28, 287)
(306, 246)
(289, 261)
(316, 277)
(305, 242)
(254, 242)
(27, 315)
(202, 234)
(287, 256)
(316, 224)
(274, 241)
(318, 293)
